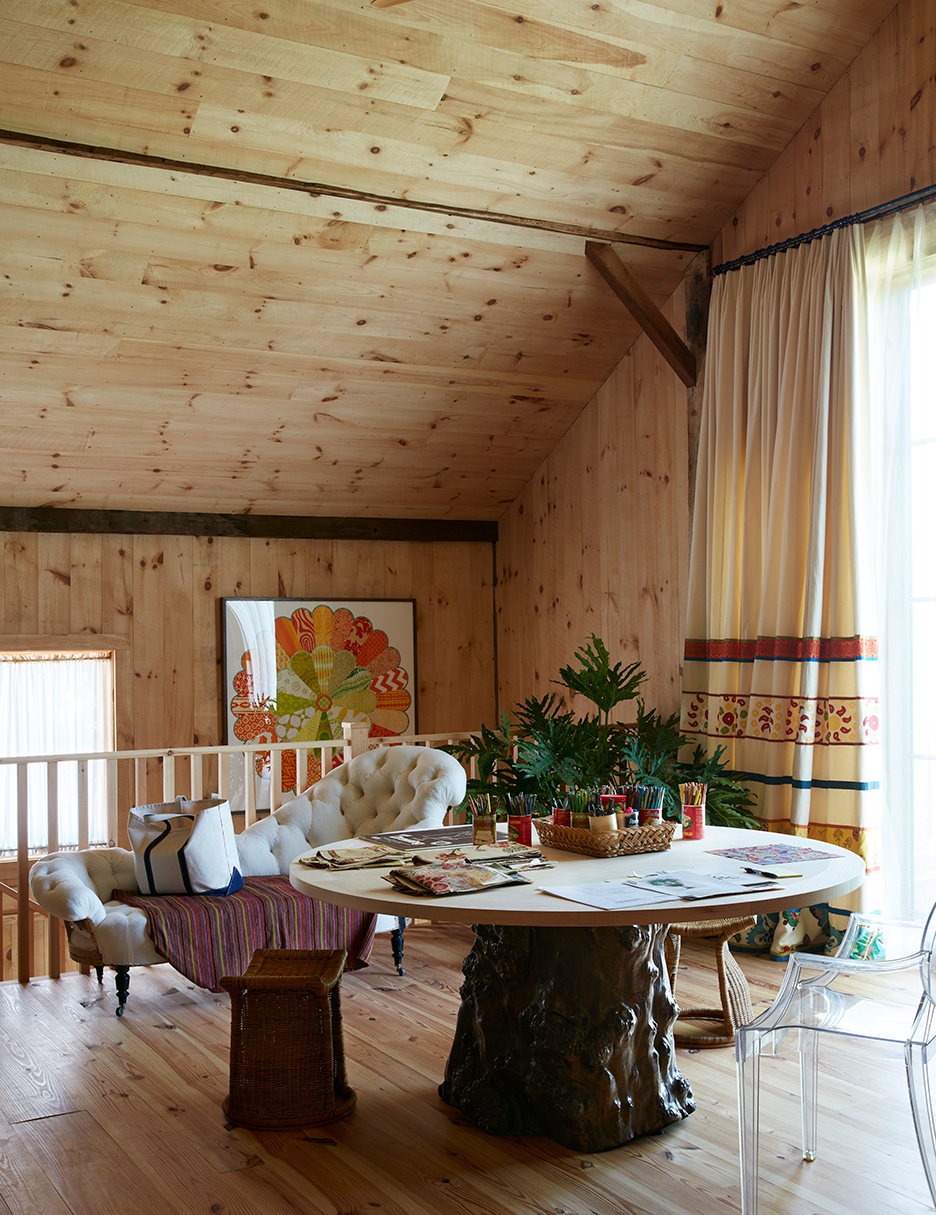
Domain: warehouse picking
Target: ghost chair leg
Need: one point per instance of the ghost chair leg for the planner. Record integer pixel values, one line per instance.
(809, 1083)
(747, 1050)
(916, 1054)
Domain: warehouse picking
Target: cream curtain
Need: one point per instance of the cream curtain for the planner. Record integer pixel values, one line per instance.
(781, 653)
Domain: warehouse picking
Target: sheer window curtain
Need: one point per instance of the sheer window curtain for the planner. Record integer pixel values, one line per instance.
(900, 256)
(54, 705)
(781, 652)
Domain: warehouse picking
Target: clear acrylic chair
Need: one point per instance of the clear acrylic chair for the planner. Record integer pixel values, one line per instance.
(810, 1003)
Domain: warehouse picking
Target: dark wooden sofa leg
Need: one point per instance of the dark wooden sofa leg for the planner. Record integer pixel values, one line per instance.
(396, 944)
(123, 987)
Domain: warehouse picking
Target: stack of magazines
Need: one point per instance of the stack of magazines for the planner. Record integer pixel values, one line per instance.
(436, 880)
(376, 856)
(372, 857)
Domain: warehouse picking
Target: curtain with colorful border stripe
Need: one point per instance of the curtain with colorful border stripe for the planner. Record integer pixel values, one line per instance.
(781, 653)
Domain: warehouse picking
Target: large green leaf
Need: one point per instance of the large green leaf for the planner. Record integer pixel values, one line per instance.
(606, 686)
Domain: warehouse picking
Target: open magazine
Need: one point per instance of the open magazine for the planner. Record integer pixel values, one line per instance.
(433, 881)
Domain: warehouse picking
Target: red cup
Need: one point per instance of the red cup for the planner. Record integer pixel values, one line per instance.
(520, 828)
(693, 822)
(561, 816)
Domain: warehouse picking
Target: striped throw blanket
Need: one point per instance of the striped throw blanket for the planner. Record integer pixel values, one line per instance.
(207, 936)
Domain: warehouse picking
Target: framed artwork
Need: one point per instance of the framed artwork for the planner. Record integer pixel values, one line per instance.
(295, 670)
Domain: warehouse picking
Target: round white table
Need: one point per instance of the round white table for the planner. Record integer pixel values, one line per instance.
(565, 1028)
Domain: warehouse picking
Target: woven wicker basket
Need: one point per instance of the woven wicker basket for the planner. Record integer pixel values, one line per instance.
(655, 838)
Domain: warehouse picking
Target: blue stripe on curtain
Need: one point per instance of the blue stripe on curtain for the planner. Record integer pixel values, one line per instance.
(857, 786)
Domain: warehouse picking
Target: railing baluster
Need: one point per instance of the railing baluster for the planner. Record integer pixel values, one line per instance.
(52, 807)
(111, 770)
(198, 777)
(22, 873)
(276, 780)
(224, 774)
(84, 831)
(250, 789)
(52, 821)
(139, 781)
(302, 769)
(168, 777)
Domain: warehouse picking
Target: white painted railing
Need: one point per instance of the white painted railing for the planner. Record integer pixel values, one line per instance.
(205, 771)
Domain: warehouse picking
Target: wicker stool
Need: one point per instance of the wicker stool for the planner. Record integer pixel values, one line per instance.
(735, 998)
(287, 1052)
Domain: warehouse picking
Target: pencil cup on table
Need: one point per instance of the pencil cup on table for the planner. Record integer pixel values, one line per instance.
(647, 800)
(520, 807)
(692, 796)
(483, 819)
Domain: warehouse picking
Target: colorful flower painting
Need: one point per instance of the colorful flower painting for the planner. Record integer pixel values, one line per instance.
(299, 676)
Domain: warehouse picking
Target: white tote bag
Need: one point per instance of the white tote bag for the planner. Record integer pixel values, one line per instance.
(184, 847)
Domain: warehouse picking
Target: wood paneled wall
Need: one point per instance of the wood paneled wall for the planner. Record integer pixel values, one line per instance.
(872, 139)
(155, 598)
(598, 540)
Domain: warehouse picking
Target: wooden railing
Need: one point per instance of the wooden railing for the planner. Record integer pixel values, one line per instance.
(203, 771)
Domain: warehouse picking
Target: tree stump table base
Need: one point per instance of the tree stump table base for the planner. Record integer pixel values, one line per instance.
(566, 1033)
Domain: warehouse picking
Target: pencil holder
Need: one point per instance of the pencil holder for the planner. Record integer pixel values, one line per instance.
(693, 810)
(520, 828)
(483, 829)
(693, 822)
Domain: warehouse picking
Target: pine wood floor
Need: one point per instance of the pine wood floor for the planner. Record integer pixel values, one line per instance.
(101, 1116)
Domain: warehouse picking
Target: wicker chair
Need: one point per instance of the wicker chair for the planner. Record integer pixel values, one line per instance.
(735, 1009)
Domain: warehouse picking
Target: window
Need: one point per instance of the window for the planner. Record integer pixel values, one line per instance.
(902, 348)
(920, 611)
(55, 704)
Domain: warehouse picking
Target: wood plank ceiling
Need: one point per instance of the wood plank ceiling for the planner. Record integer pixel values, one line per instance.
(255, 257)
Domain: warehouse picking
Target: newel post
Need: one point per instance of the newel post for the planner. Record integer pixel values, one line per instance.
(355, 738)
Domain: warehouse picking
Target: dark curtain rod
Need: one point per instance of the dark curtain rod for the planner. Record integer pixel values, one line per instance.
(862, 217)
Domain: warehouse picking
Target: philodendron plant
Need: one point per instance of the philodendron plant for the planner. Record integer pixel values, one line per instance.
(546, 750)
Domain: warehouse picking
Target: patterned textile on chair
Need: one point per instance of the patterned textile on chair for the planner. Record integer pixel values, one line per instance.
(781, 933)
(207, 937)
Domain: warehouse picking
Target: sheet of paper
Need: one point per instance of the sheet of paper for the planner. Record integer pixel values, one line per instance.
(691, 884)
(609, 896)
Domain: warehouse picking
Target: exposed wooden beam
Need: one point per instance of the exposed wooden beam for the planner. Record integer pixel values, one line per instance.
(644, 311)
(698, 280)
(320, 189)
(288, 527)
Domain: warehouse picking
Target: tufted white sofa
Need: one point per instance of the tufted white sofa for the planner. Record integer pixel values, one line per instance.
(387, 789)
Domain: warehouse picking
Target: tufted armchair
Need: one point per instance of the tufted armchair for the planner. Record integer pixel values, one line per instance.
(387, 789)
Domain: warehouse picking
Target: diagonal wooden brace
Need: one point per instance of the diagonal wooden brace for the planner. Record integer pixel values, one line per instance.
(644, 310)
